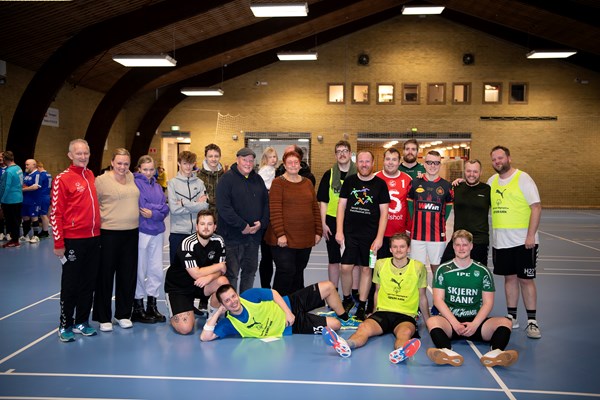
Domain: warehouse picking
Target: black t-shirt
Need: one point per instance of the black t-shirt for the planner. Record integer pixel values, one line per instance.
(471, 209)
(191, 254)
(361, 218)
(323, 191)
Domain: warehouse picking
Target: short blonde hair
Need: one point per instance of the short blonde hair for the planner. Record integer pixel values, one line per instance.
(265, 156)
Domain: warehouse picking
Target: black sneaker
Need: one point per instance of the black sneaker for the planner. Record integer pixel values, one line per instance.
(360, 314)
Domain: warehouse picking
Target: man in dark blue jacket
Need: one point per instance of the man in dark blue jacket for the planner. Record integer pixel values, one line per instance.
(243, 210)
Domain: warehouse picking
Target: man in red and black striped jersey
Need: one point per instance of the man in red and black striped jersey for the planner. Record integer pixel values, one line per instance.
(430, 200)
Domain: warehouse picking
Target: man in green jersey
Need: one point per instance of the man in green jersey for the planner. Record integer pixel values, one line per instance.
(400, 284)
(463, 292)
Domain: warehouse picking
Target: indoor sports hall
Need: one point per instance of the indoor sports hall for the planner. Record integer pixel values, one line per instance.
(153, 362)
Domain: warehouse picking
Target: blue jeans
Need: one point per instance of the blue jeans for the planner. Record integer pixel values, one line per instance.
(242, 257)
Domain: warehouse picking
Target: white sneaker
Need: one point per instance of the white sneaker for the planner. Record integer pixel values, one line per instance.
(23, 239)
(34, 239)
(106, 326)
(124, 323)
(533, 330)
(7, 237)
(499, 357)
(515, 323)
(2, 237)
(445, 356)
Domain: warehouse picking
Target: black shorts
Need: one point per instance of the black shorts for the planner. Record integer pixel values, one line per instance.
(356, 251)
(388, 321)
(334, 253)
(518, 261)
(476, 336)
(178, 303)
(384, 251)
(302, 302)
(479, 253)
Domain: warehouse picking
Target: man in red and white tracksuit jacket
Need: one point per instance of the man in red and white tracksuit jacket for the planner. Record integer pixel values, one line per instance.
(75, 220)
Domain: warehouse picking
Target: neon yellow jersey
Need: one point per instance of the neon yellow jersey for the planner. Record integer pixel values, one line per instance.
(399, 287)
(510, 209)
(265, 319)
(334, 197)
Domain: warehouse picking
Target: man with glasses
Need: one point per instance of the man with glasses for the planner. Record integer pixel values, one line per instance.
(430, 200)
(328, 195)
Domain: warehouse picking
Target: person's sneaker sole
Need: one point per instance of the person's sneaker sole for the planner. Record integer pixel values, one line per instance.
(504, 359)
(408, 350)
(332, 339)
(441, 358)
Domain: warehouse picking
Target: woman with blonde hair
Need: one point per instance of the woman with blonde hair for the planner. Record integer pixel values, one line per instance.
(119, 213)
(267, 172)
(267, 166)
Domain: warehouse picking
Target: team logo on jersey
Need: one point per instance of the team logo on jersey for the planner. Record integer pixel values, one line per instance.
(78, 187)
(397, 288)
(476, 274)
(486, 282)
(72, 257)
(211, 254)
(439, 191)
(362, 196)
(426, 206)
(419, 190)
(254, 324)
(188, 255)
(392, 183)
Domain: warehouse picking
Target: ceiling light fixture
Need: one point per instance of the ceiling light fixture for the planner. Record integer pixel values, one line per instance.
(131, 60)
(193, 91)
(422, 10)
(298, 56)
(550, 53)
(279, 9)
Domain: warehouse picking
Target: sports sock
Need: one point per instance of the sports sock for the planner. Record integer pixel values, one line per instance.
(26, 227)
(344, 316)
(362, 304)
(531, 314)
(512, 311)
(440, 339)
(500, 338)
(355, 294)
(35, 225)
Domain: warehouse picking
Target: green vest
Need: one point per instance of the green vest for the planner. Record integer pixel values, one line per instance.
(334, 198)
(265, 319)
(398, 292)
(509, 206)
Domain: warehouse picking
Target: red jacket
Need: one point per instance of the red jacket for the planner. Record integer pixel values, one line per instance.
(75, 209)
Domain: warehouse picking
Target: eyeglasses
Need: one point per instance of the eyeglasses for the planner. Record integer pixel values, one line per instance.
(433, 162)
(342, 151)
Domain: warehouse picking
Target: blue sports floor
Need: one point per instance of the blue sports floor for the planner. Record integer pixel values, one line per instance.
(152, 362)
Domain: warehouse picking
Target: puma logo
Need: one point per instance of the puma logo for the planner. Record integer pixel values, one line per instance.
(254, 323)
(501, 193)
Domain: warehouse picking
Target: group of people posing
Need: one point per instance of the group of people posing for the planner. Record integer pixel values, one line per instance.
(25, 199)
(111, 227)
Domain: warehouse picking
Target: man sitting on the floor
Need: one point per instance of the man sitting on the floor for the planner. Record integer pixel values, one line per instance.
(463, 292)
(261, 313)
(400, 285)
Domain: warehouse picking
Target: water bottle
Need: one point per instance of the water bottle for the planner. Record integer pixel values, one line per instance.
(372, 258)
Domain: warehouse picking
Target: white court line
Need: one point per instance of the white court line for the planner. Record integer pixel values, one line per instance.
(283, 381)
(29, 306)
(564, 274)
(499, 381)
(568, 240)
(22, 349)
(571, 269)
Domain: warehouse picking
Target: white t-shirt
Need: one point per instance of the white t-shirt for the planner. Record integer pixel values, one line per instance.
(507, 238)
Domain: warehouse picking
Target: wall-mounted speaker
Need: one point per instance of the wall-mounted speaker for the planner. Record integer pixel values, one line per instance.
(363, 59)
(468, 59)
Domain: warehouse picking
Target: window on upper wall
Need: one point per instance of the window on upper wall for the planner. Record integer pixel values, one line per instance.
(385, 93)
(436, 93)
(492, 92)
(461, 93)
(335, 93)
(360, 93)
(518, 93)
(410, 93)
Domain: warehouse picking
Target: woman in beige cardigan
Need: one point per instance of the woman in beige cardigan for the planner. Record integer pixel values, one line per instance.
(119, 212)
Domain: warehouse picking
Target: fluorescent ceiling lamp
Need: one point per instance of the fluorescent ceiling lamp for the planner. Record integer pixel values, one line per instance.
(298, 56)
(191, 91)
(422, 10)
(550, 53)
(160, 60)
(280, 9)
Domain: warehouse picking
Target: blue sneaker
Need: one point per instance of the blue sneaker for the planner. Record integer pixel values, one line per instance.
(339, 344)
(409, 349)
(350, 323)
(85, 329)
(66, 334)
